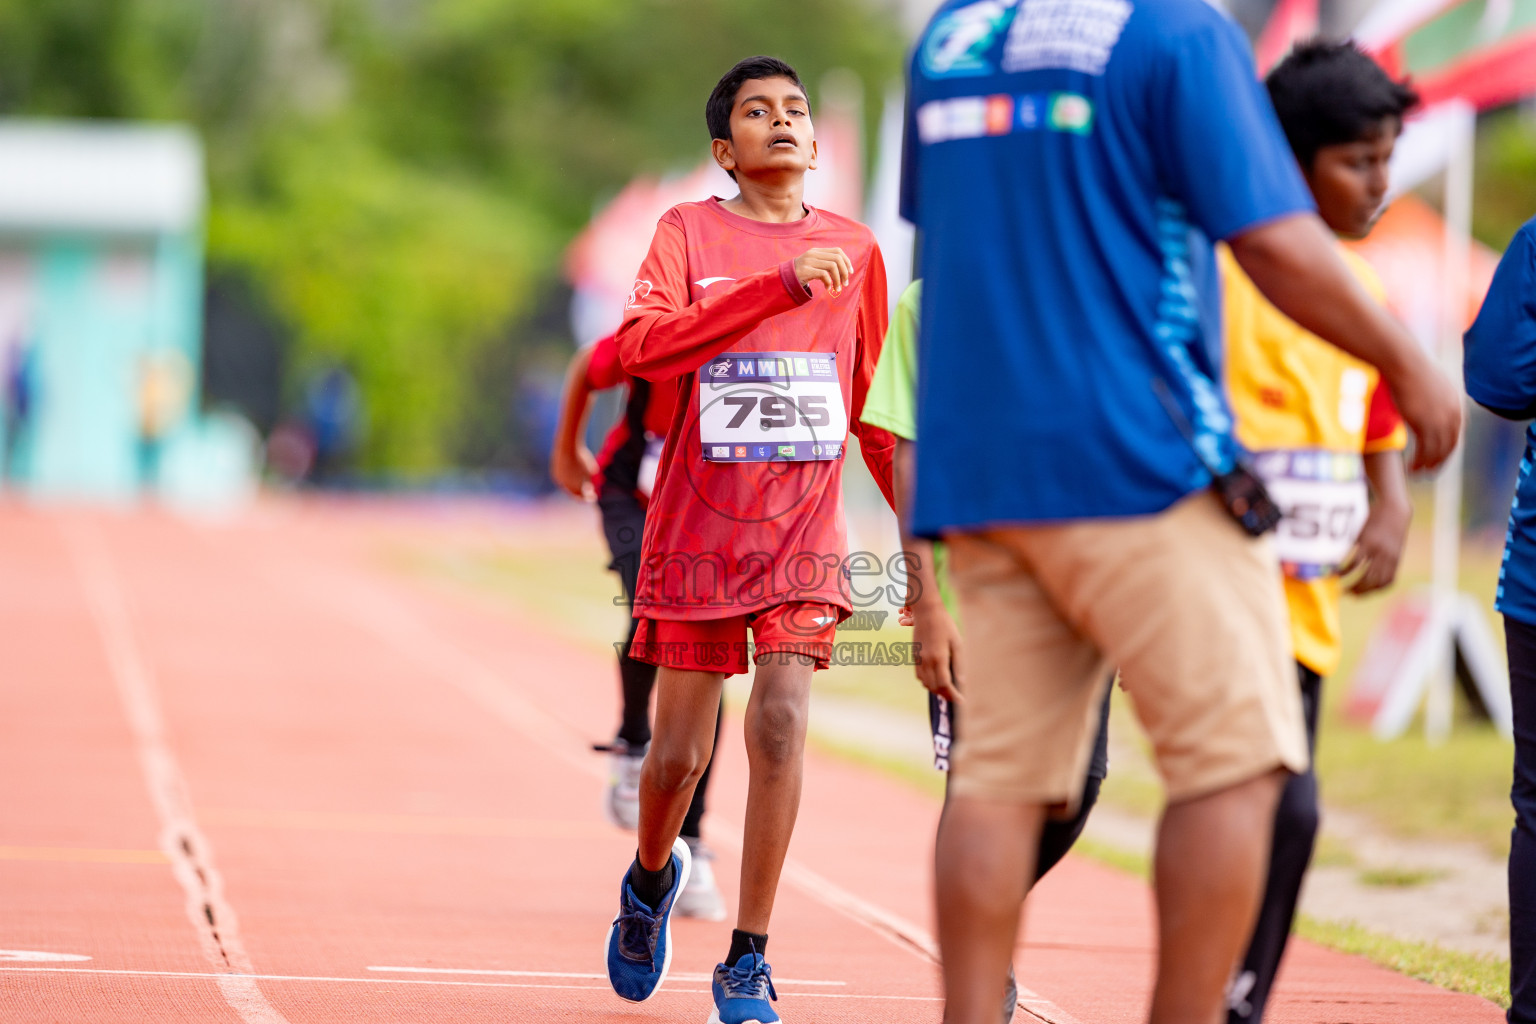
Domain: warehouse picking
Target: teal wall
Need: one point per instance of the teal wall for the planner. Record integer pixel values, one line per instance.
(101, 306)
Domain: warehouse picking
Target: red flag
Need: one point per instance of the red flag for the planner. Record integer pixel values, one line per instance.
(1289, 23)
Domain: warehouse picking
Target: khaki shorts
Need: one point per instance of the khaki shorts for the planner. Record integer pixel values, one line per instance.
(1188, 606)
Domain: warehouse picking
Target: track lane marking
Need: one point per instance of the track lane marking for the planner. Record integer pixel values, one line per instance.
(428, 981)
(181, 841)
(408, 824)
(39, 955)
(680, 976)
(81, 855)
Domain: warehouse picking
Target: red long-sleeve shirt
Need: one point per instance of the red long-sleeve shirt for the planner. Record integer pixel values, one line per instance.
(727, 537)
(648, 410)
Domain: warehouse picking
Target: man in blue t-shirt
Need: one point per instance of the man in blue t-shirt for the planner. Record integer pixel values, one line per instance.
(1500, 362)
(1068, 164)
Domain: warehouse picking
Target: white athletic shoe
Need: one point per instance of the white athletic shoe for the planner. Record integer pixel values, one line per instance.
(621, 801)
(700, 898)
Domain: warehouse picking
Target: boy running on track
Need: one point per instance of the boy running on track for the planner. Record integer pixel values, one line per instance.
(930, 605)
(620, 479)
(1321, 425)
(770, 315)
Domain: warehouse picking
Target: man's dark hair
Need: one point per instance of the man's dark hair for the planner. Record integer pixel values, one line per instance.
(1329, 93)
(717, 110)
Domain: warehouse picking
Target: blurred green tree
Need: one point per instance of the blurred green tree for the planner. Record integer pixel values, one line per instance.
(399, 176)
(1505, 171)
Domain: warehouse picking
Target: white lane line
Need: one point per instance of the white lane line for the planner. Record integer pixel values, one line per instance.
(40, 956)
(395, 625)
(429, 981)
(679, 976)
(180, 839)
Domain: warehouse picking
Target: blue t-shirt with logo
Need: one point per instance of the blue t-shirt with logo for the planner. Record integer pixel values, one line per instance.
(1068, 163)
(1499, 361)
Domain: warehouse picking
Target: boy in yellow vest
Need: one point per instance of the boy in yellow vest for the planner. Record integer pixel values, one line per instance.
(1323, 432)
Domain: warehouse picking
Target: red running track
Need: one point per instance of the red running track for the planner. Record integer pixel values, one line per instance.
(253, 775)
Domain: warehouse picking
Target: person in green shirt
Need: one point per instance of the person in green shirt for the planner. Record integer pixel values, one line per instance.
(931, 608)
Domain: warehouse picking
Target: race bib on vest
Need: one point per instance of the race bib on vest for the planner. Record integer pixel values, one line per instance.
(771, 406)
(1325, 500)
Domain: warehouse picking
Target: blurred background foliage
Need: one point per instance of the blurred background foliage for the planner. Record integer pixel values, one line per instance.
(395, 179)
(1505, 174)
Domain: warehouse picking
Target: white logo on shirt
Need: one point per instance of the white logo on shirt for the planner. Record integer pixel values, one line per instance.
(712, 280)
(1078, 35)
(1354, 391)
(635, 294)
(958, 41)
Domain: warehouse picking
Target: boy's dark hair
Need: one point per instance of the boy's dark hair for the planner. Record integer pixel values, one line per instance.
(717, 109)
(1327, 93)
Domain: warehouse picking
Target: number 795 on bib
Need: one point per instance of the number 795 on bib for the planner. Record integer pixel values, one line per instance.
(766, 406)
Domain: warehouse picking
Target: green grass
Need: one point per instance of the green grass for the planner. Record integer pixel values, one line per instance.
(1485, 976)
(921, 777)
(1132, 862)
(1458, 789)
(1399, 878)
(561, 586)
(891, 686)
(1132, 784)
(1332, 852)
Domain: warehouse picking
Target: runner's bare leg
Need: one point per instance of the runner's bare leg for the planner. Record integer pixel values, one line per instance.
(1212, 859)
(681, 744)
(775, 733)
(983, 860)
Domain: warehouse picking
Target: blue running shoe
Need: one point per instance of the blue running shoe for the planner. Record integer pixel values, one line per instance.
(639, 945)
(742, 992)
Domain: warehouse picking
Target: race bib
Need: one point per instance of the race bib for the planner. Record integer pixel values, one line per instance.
(771, 406)
(1325, 500)
(645, 479)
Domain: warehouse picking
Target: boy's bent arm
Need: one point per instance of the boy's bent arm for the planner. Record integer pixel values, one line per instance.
(666, 336)
(876, 445)
(1379, 548)
(1293, 263)
(933, 630)
(570, 463)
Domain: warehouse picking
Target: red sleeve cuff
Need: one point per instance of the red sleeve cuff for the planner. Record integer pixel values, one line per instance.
(1383, 422)
(603, 367)
(792, 283)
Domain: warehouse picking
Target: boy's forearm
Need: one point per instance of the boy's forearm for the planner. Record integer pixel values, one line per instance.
(574, 403)
(922, 581)
(879, 449)
(1389, 482)
(877, 444)
(662, 344)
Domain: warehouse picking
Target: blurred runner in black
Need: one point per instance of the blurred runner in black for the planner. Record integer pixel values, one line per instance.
(619, 480)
